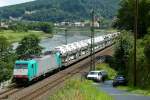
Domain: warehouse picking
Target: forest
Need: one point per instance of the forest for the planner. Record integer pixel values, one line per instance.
(60, 10)
(124, 49)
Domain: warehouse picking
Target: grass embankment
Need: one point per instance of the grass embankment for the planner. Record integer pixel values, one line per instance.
(17, 36)
(77, 90)
(134, 90)
(111, 72)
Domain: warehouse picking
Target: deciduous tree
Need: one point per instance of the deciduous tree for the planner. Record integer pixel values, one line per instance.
(29, 46)
(7, 58)
(126, 16)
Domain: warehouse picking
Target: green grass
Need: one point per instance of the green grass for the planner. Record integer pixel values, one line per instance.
(111, 72)
(134, 90)
(77, 90)
(17, 36)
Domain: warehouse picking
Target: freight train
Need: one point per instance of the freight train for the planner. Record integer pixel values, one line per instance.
(60, 57)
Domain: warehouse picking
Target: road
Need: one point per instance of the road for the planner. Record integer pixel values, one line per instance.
(119, 94)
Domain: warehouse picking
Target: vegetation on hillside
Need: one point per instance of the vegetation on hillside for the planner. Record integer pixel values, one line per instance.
(60, 10)
(80, 90)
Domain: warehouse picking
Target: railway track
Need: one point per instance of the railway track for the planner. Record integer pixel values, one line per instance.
(50, 85)
(5, 94)
(36, 90)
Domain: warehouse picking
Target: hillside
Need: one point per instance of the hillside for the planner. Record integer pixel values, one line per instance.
(60, 10)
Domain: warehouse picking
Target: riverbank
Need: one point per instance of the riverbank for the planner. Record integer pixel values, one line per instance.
(17, 36)
(84, 29)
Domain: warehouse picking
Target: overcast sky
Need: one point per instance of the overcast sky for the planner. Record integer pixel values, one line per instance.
(12, 2)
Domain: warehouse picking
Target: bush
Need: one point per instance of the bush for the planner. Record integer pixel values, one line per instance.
(111, 72)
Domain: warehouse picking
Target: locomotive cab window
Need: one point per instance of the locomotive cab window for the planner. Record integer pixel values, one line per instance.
(21, 66)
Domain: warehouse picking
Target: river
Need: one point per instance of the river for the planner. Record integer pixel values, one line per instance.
(59, 39)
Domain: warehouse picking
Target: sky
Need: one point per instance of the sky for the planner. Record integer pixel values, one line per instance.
(12, 2)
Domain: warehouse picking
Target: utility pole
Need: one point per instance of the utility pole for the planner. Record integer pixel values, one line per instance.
(66, 42)
(135, 39)
(92, 67)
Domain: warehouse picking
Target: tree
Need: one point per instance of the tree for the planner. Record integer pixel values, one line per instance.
(29, 46)
(46, 27)
(143, 63)
(4, 48)
(18, 26)
(126, 15)
(7, 58)
(147, 48)
(6, 71)
(122, 51)
(41, 26)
